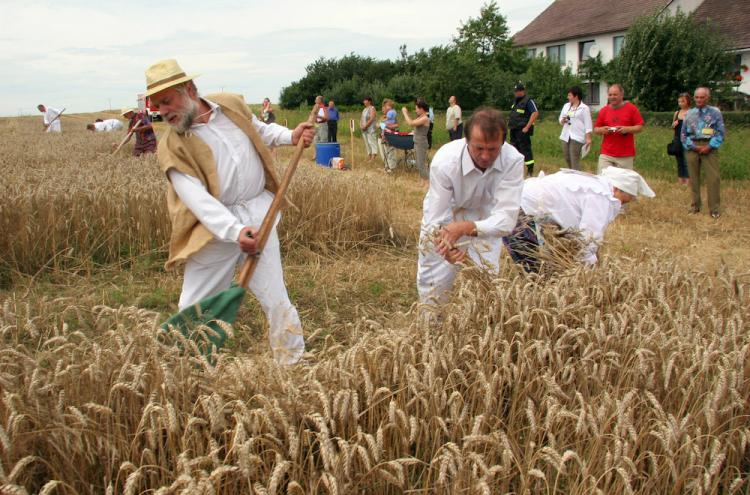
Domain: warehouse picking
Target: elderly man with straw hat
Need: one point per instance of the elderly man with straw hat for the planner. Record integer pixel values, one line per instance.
(575, 200)
(221, 184)
(145, 137)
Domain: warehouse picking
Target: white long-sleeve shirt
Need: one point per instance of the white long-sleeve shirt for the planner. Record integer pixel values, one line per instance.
(580, 123)
(243, 200)
(573, 199)
(50, 118)
(107, 125)
(457, 184)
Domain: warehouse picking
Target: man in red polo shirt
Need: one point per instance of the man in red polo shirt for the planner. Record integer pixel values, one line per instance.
(618, 122)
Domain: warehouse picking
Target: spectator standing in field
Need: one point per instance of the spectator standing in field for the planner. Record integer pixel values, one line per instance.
(575, 118)
(107, 125)
(473, 200)
(683, 104)
(267, 114)
(572, 200)
(321, 121)
(221, 185)
(333, 122)
(421, 126)
(388, 152)
(453, 122)
(523, 114)
(368, 126)
(51, 118)
(145, 137)
(618, 122)
(431, 115)
(702, 135)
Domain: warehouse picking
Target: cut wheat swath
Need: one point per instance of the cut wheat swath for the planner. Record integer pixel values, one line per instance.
(222, 308)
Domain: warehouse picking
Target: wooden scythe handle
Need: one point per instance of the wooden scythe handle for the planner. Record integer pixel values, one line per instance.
(251, 262)
(127, 136)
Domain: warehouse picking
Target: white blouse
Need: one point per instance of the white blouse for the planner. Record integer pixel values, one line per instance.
(573, 199)
(579, 124)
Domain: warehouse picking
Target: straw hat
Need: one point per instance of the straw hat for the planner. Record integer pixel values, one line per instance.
(165, 74)
(126, 111)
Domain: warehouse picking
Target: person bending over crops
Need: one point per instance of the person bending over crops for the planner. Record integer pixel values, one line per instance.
(584, 203)
(221, 185)
(473, 200)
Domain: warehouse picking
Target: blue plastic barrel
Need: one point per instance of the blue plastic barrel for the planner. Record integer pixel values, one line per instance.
(325, 151)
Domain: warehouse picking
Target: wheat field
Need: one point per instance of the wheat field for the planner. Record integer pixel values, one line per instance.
(629, 378)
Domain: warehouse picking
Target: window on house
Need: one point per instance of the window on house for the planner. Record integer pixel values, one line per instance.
(556, 53)
(591, 93)
(530, 52)
(617, 43)
(584, 47)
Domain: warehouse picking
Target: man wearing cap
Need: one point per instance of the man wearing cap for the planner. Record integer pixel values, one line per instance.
(472, 201)
(145, 138)
(574, 200)
(51, 118)
(221, 184)
(523, 114)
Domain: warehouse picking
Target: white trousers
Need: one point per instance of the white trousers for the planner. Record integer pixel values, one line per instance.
(210, 271)
(435, 276)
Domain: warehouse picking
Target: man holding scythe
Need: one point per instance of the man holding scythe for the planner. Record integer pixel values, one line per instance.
(221, 184)
(139, 124)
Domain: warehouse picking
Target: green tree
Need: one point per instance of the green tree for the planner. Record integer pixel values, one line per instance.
(547, 83)
(667, 54)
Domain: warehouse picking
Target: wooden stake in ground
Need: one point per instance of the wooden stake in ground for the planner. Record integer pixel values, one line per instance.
(127, 136)
(351, 133)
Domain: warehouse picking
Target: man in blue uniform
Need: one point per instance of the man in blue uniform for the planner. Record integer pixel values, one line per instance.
(523, 114)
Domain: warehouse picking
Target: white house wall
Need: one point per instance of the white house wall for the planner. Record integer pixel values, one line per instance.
(745, 85)
(605, 42)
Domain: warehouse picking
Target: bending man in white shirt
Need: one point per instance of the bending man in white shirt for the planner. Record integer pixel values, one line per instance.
(572, 200)
(473, 200)
(221, 183)
(51, 118)
(108, 125)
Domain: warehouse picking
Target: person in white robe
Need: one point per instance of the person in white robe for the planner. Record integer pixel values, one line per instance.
(574, 200)
(51, 118)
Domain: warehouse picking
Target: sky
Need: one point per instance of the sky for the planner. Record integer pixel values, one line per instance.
(89, 56)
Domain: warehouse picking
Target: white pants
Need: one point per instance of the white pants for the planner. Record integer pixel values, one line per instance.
(210, 271)
(435, 276)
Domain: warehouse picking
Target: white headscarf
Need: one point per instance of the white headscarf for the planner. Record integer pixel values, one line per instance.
(628, 181)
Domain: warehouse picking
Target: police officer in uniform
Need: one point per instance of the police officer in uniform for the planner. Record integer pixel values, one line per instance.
(523, 114)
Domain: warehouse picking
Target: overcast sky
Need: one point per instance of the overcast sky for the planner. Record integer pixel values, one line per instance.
(90, 55)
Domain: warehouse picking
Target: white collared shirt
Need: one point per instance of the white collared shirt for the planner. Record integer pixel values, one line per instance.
(241, 177)
(573, 200)
(108, 125)
(580, 123)
(457, 184)
(50, 115)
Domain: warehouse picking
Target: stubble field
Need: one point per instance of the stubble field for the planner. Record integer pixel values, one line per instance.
(630, 378)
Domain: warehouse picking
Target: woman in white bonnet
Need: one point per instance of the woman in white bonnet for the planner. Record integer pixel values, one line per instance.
(572, 200)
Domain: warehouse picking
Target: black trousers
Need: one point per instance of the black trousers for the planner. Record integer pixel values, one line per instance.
(522, 142)
(429, 136)
(457, 133)
(333, 126)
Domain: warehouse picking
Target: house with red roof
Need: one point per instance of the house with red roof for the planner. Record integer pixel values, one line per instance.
(570, 31)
